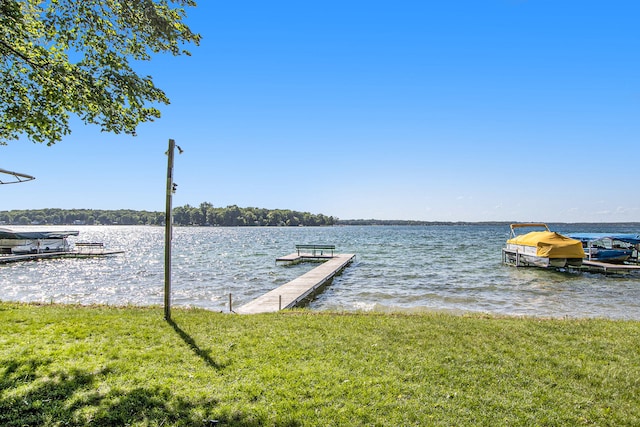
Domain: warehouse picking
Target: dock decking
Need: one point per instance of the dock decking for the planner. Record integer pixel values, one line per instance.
(605, 267)
(5, 259)
(296, 291)
(298, 257)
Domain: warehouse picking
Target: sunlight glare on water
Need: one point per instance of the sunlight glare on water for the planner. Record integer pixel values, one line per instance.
(455, 268)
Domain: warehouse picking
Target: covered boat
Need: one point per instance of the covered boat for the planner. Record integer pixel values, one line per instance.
(544, 248)
(34, 242)
(609, 247)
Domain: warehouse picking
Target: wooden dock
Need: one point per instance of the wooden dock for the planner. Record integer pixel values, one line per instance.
(300, 289)
(605, 267)
(297, 257)
(5, 259)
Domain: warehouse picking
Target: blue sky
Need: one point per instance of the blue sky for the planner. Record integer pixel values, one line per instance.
(493, 110)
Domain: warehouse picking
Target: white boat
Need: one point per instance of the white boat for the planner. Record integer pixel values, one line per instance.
(543, 248)
(34, 242)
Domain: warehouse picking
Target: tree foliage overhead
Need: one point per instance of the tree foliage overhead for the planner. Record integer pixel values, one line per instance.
(62, 57)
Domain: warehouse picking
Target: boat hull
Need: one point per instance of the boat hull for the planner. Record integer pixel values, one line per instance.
(608, 255)
(525, 256)
(26, 246)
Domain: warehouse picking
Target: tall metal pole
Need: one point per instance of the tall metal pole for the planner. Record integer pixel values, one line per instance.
(168, 234)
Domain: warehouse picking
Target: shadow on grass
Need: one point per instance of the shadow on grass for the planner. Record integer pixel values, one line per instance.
(32, 394)
(203, 354)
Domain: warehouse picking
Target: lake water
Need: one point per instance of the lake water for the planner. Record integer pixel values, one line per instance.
(451, 268)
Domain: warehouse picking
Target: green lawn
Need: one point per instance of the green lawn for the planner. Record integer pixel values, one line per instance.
(104, 366)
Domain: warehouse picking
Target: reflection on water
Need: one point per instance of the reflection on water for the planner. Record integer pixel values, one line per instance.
(450, 268)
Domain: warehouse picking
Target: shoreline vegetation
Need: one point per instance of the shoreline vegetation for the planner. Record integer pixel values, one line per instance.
(208, 215)
(103, 365)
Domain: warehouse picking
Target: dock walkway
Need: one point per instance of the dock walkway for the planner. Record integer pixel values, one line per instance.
(5, 259)
(296, 291)
(605, 267)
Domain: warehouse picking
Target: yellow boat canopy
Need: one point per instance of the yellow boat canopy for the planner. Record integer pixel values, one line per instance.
(550, 244)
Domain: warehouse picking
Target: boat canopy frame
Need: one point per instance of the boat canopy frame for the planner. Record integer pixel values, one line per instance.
(35, 235)
(513, 227)
(17, 177)
(633, 239)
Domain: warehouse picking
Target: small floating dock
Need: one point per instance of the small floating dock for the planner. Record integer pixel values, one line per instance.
(309, 253)
(297, 291)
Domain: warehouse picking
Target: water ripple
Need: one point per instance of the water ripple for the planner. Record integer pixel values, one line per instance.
(412, 269)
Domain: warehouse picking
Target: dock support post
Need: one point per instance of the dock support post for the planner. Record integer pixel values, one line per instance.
(230, 306)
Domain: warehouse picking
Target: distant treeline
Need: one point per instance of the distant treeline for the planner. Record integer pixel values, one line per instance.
(412, 222)
(622, 225)
(205, 214)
